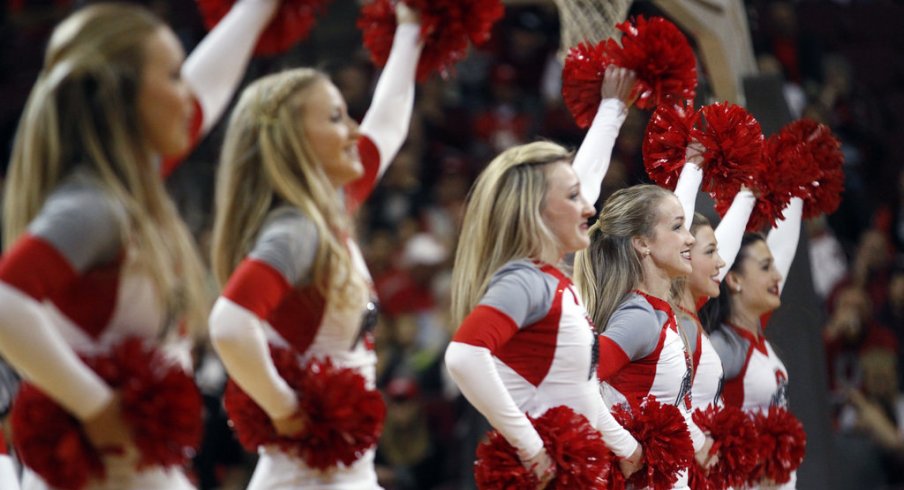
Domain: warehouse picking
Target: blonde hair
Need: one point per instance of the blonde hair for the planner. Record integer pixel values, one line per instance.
(267, 161)
(503, 221)
(83, 111)
(679, 284)
(607, 271)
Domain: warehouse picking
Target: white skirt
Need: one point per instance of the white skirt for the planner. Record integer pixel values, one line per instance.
(122, 475)
(277, 470)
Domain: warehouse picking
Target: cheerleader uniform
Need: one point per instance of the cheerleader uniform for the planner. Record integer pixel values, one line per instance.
(642, 354)
(70, 274)
(527, 347)
(707, 375)
(270, 298)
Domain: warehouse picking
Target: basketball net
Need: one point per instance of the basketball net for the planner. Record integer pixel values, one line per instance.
(589, 20)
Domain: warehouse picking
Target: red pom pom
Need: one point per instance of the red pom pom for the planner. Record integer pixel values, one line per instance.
(498, 465)
(662, 432)
(733, 143)
(582, 458)
(159, 402)
(820, 153)
(344, 418)
(582, 76)
(782, 443)
(51, 442)
(698, 479)
(734, 442)
(666, 141)
(291, 23)
(447, 26)
(662, 58)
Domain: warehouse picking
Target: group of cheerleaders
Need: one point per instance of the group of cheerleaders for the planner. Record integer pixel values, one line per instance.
(101, 288)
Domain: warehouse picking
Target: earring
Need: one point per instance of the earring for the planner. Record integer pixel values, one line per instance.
(738, 289)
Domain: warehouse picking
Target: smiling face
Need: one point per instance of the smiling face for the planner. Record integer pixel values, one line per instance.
(565, 211)
(330, 132)
(669, 247)
(755, 283)
(165, 106)
(706, 262)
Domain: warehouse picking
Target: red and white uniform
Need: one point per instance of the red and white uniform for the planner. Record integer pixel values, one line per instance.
(270, 298)
(642, 354)
(528, 347)
(706, 384)
(756, 378)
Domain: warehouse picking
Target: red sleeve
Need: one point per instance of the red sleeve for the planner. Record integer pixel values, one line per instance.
(486, 327)
(36, 268)
(170, 163)
(256, 287)
(612, 358)
(358, 191)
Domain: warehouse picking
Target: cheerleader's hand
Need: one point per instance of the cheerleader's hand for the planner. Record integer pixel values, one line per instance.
(630, 465)
(107, 430)
(694, 153)
(704, 459)
(292, 426)
(618, 83)
(406, 14)
(542, 467)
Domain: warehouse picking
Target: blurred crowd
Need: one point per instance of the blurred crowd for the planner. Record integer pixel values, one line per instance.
(841, 65)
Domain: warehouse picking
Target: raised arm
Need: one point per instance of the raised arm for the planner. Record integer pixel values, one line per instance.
(216, 66)
(689, 182)
(595, 153)
(389, 116)
(731, 229)
(783, 238)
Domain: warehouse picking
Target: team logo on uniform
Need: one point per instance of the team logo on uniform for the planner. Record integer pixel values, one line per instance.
(685, 392)
(780, 397)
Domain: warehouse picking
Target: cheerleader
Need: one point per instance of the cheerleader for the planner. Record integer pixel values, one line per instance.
(525, 343)
(755, 377)
(95, 249)
(638, 246)
(294, 168)
(709, 253)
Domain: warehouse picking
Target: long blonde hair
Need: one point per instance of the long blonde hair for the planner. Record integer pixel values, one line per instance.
(503, 221)
(267, 161)
(83, 111)
(610, 267)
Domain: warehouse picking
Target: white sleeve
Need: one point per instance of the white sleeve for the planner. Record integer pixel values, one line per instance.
(238, 338)
(783, 238)
(216, 66)
(616, 437)
(8, 480)
(389, 115)
(474, 372)
(730, 231)
(32, 345)
(686, 190)
(595, 154)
